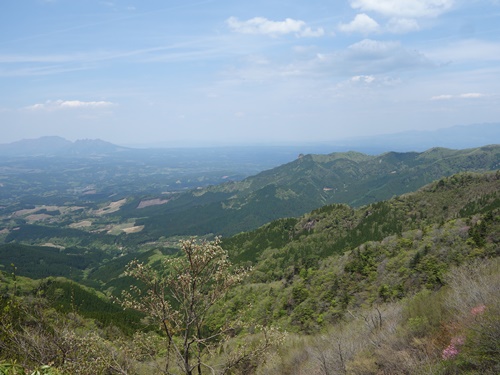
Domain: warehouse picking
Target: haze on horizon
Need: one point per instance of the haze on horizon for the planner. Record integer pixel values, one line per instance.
(219, 72)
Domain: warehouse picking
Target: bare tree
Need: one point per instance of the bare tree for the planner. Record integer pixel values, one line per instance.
(179, 296)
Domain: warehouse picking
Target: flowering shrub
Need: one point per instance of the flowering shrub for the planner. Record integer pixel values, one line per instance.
(451, 350)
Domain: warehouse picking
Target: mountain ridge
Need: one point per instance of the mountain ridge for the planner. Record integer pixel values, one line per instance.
(58, 146)
(455, 137)
(310, 182)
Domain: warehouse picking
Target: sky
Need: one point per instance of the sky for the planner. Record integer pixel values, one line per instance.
(216, 72)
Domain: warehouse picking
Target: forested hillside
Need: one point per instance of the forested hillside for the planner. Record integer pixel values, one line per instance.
(407, 286)
(309, 182)
(387, 250)
(131, 204)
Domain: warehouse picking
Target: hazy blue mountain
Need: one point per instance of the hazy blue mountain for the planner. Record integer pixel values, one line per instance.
(93, 146)
(33, 147)
(456, 137)
(269, 155)
(51, 146)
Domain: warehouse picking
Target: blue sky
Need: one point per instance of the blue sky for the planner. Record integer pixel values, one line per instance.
(229, 71)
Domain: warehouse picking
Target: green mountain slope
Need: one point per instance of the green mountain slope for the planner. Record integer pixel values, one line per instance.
(305, 184)
(334, 228)
(385, 288)
(282, 249)
(310, 271)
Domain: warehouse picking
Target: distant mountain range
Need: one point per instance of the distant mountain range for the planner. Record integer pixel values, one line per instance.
(305, 184)
(52, 146)
(457, 137)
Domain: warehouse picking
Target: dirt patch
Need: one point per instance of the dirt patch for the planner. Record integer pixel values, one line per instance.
(81, 224)
(152, 202)
(50, 244)
(112, 207)
(124, 228)
(37, 217)
(133, 229)
(29, 211)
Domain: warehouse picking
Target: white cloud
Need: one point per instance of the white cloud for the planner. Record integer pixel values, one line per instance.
(363, 79)
(442, 97)
(368, 62)
(310, 33)
(362, 24)
(402, 25)
(365, 25)
(404, 8)
(263, 26)
(52, 105)
(373, 47)
(374, 57)
(470, 95)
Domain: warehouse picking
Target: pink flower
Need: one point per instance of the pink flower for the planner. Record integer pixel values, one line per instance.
(478, 310)
(450, 352)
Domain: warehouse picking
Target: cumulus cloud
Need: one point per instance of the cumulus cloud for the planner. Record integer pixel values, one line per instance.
(362, 24)
(404, 9)
(52, 105)
(263, 26)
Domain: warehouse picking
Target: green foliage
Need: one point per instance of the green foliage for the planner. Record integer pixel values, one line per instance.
(402, 251)
(249, 245)
(33, 232)
(109, 275)
(41, 261)
(69, 297)
(424, 313)
(7, 368)
(322, 269)
(481, 350)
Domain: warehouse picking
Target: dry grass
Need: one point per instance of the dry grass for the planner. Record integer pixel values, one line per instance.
(152, 202)
(112, 207)
(81, 224)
